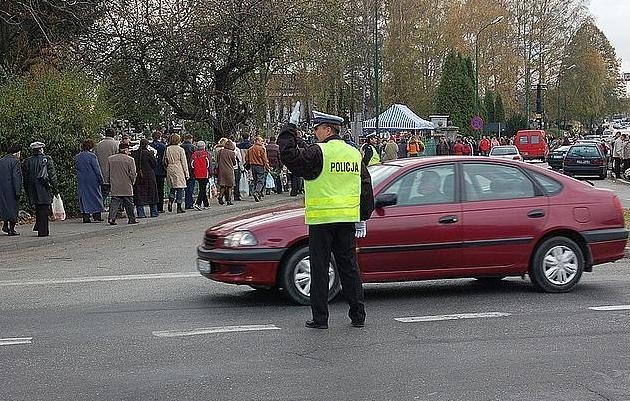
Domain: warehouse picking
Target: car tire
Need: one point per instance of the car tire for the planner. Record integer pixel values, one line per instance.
(557, 265)
(296, 289)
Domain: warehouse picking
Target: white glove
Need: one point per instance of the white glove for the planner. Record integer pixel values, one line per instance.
(361, 229)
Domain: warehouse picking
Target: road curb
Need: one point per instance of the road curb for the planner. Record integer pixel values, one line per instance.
(29, 242)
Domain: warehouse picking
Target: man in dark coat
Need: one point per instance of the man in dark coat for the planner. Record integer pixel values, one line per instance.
(189, 149)
(160, 171)
(10, 187)
(40, 183)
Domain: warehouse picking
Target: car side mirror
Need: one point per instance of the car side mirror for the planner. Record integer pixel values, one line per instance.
(385, 200)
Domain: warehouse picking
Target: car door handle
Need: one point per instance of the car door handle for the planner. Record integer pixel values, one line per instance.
(536, 214)
(448, 220)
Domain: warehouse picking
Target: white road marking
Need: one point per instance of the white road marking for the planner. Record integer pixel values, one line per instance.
(457, 316)
(212, 330)
(93, 279)
(610, 308)
(16, 341)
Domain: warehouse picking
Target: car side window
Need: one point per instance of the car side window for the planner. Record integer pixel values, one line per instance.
(484, 181)
(550, 185)
(535, 139)
(523, 140)
(425, 186)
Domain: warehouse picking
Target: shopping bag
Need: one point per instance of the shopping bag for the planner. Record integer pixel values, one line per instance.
(57, 208)
(243, 186)
(270, 184)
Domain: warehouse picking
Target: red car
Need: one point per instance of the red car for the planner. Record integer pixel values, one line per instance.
(436, 218)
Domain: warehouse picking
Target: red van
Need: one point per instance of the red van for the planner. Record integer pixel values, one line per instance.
(532, 144)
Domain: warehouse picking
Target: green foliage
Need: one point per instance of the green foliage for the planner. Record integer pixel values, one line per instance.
(514, 123)
(456, 92)
(499, 111)
(489, 107)
(58, 108)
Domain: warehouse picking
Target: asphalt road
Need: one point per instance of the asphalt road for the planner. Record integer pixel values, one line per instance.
(114, 318)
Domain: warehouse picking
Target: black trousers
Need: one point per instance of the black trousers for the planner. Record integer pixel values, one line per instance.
(202, 196)
(160, 191)
(127, 202)
(339, 239)
(237, 182)
(41, 220)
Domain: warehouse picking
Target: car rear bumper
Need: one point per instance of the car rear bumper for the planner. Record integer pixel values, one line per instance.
(606, 245)
(256, 266)
(584, 170)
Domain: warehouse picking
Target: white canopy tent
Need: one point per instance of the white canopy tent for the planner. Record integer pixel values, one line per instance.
(398, 117)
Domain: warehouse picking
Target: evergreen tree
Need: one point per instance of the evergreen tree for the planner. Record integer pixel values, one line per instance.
(456, 92)
(489, 107)
(499, 111)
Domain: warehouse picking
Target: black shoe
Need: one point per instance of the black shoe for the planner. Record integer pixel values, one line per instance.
(133, 222)
(256, 198)
(97, 217)
(13, 233)
(221, 201)
(311, 324)
(358, 323)
(112, 222)
(43, 235)
(5, 228)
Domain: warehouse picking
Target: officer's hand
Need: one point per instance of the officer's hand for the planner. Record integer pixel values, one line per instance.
(360, 229)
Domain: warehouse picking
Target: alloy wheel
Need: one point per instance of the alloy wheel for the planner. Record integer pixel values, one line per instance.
(302, 276)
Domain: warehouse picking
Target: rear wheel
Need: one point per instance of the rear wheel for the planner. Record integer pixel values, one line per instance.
(295, 277)
(557, 265)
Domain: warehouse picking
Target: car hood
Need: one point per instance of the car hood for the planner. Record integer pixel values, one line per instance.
(286, 215)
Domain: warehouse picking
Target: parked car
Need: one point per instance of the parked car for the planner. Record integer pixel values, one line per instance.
(585, 159)
(532, 144)
(509, 152)
(487, 218)
(556, 157)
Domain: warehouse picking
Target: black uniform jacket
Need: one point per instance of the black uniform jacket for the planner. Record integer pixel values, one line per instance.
(308, 163)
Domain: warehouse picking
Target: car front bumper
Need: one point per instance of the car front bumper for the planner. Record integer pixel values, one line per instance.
(256, 266)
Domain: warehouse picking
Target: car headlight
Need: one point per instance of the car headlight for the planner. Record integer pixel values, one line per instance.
(240, 238)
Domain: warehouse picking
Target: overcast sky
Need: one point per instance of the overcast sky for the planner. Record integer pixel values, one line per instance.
(613, 18)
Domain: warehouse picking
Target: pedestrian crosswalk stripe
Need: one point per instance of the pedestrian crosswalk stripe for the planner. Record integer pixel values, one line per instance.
(610, 308)
(457, 316)
(212, 330)
(16, 341)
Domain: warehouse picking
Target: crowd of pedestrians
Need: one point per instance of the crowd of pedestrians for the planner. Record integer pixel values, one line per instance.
(116, 177)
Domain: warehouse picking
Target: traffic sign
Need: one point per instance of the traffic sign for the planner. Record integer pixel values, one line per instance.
(476, 123)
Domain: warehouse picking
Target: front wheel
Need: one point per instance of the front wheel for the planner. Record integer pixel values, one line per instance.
(557, 265)
(295, 277)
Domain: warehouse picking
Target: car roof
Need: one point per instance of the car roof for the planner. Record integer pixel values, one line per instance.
(503, 146)
(418, 161)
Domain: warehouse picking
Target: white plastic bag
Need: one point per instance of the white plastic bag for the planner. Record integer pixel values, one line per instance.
(243, 186)
(57, 208)
(270, 184)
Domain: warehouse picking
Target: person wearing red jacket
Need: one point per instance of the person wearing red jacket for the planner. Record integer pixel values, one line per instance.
(458, 148)
(484, 146)
(466, 148)
(200, 163)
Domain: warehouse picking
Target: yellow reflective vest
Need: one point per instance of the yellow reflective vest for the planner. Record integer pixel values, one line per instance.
(376, 158)
(335, 195)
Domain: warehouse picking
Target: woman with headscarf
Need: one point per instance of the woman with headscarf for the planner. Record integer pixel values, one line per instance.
(201, 164)
(176, 172)
(89, 180)
(226, 160)
(145, 189)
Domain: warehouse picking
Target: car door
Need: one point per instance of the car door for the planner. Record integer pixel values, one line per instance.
(422, 231)
(503, 212)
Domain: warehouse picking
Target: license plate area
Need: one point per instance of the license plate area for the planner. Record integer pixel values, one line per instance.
(583, 161)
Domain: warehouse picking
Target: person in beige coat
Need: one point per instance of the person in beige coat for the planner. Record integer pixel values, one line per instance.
(177, 172)
(121, 174)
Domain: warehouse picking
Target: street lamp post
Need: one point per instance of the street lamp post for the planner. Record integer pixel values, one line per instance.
(493, 22)
(572, 66)
(376, 100)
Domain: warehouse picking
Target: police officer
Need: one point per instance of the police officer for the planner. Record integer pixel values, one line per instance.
(369, 150)
(338, 200)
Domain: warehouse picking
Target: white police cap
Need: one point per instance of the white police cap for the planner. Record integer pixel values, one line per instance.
(37, 145)
(323, 118)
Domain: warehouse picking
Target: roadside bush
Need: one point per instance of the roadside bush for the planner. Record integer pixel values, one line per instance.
(57, 108)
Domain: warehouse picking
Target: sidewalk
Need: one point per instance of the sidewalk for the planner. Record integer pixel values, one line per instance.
(72, 229)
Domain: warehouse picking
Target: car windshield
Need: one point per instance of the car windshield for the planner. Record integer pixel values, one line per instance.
(380, 172)
(500, 151)
(583, 151)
